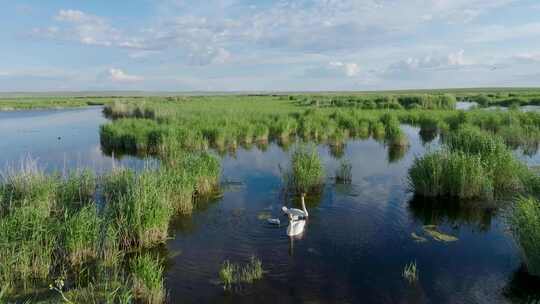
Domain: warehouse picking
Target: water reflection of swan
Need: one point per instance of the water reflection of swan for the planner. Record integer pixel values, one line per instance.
(297, 218)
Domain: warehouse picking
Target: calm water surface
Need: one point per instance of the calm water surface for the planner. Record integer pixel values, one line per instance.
(357, 240)
(57, 139)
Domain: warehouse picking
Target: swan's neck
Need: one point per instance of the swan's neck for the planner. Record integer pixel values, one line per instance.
(304, 206)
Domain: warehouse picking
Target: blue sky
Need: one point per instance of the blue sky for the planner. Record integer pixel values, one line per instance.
(247, 45)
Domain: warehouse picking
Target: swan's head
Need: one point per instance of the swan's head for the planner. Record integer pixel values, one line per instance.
(284, 209)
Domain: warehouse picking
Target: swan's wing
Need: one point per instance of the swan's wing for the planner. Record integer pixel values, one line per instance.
(296, 212)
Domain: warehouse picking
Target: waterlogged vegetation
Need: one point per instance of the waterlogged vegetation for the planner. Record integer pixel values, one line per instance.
(32, 103)
(232, 276)
(307, 173)
(97, 238)
(525, 223)
(56, 226)
(410, 272)
(472, 164)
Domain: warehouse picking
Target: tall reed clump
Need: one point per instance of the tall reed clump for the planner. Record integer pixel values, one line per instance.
(307, 171)
(147, 273)
(130, 135)
(344, 172)
(525, 224)
(508, 174)
(232, 274)
(394, 134)
(82, 233)
(28, 232)
(452, 174)
(473, 164)
(138, 205)
(77, 189)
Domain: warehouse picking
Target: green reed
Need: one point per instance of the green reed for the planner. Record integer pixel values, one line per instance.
(525, 224)
(148, 285)
(307, 172)
(231, 274)
(344, 172)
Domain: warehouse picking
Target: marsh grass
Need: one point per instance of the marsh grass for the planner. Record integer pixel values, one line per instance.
(410, 272)
(77, 189)
(82, 234)
(474, 164)
(451, 174)
(140, 209)
(394, 134)
(344, 172)
(525, 224)
(148, 285)
(307, 172)
(232, 275)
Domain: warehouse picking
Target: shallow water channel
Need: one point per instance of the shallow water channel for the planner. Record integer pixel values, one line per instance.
(357, 241)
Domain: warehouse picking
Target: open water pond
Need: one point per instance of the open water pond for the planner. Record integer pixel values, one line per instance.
(357, 241)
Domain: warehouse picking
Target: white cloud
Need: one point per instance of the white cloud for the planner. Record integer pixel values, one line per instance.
(78, 26)
(117, 75)
(527, 57)
(350, 69)
(430, 62)
(76, 16)
(494, 33)
(206, 32)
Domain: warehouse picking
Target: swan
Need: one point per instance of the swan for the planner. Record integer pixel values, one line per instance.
(296, 227)
(297, 218)
(297, 214)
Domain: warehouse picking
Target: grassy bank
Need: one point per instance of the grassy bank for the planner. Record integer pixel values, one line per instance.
(35, 103)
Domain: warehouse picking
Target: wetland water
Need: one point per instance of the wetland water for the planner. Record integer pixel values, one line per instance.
(357, 240)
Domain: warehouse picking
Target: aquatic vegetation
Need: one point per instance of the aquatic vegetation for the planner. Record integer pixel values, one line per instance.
(410, 272)
(344, 172)
(378, 130)
(77, 189)
(34, 103)
(231, 274)
(394, 135)
(417, 238)
(307, 171)
(28, 238)
(141, 213)
(81, 233)
(59, 287)
(147, 275)
(265, 215)
(433, 232)
(445, 173)
(475, 164)
(525, 224)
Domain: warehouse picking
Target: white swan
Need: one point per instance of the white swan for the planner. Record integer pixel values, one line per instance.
(297, 218)
(296, 227)
(297, 214)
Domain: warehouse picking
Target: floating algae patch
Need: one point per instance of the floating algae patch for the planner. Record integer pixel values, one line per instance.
(417, 238)
(263, 216)
(232, 186)
(175, 253)
(432, 231)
